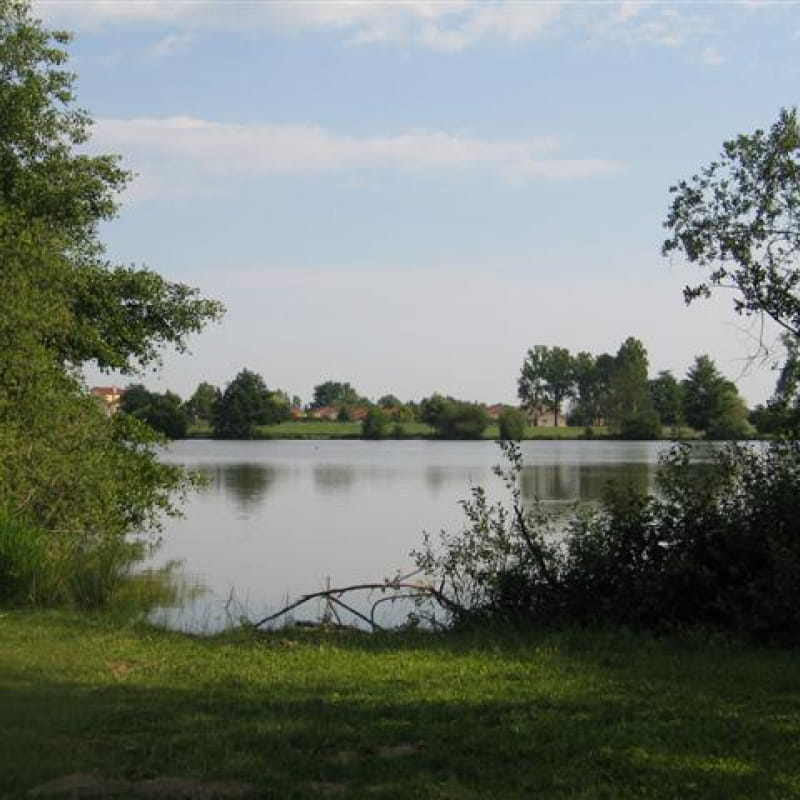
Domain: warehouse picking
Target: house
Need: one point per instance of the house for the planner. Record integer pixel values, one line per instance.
(109, 396)
(330, 413)
(546, 418)
(494, 411)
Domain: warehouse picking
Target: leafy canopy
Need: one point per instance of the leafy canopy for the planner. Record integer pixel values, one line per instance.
(739, 218)
(84, 479)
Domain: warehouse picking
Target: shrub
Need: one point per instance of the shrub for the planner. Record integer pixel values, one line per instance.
(512, 424)
(716, 545)
(375, 424)
(642, 426)
(462, 421)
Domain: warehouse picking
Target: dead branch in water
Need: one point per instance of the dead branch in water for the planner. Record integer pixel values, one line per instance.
(333, 596)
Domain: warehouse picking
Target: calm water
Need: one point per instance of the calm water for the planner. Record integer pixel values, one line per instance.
(280, 518)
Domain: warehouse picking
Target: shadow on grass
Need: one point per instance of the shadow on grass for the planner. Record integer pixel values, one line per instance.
(417, 716)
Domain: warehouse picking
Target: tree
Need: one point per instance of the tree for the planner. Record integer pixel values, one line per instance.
(629, 394)
(86, 479)
(666, 394)
(334, 393)
(245, 404)
(200, 406)
(389, 401)
(546, 379)
(454, 419)
(738, 218)
(586, 410)
(532, 386)
(164, 413)
(712, 403)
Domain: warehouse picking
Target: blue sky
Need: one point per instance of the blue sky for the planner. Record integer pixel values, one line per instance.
(409, 195)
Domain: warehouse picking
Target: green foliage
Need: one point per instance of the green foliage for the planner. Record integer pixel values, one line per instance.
(87, 481)
(500, 564)
(200, 406)
(629, 395)
(715, 545)
(666, 394)
(644, 425)
(389, 401)
(164, 413)
(589, 390)
(547, 379)
(334, 393)
(375, 424)
(711, 402)
(454, 419)
(23, 550)
(512, 424)
(245, 404)
(738, 219)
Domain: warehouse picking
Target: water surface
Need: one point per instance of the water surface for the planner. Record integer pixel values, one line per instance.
(281, 518)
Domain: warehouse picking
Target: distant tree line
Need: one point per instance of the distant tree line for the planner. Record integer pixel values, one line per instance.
(584, 389)
(615, 390)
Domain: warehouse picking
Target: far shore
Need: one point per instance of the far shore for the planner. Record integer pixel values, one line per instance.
(326, 429)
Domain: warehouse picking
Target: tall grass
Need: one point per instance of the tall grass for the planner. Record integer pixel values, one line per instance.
(41, 568)
(23, 554)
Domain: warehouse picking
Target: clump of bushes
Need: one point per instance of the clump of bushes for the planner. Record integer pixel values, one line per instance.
(715, 545)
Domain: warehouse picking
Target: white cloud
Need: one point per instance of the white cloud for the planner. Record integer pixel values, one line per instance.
(654, 25)
(444, 25)
(438, 24)
(178, 154)
(511, 22)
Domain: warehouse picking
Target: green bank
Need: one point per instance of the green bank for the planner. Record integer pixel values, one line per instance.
(329, 429)
(92, 705)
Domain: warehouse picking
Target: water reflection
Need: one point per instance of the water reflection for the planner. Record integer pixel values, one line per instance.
(246, 484)
(279, 518)
(435, 477)
(581, 482)
(333, 478)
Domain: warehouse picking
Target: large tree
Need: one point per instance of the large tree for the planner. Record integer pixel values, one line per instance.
(335, 393)
(666, 394)
(245, 404)
(86, 478)
(739, 218)
(711, 401)
(588, 389)
(629, 395)
(546, 379)
(200, 406)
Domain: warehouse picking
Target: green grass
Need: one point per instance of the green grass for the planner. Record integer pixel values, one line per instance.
(482, 715)
(325, 429)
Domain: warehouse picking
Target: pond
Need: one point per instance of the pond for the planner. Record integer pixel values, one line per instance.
(278, 519)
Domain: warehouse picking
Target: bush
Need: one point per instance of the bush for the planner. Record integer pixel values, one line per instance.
(716, 545)
(375, 424)
(643, 426)
(512, 424)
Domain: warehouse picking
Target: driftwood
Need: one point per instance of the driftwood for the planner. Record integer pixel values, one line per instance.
(401, 587)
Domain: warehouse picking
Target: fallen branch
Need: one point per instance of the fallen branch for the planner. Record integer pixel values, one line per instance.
(418, 588)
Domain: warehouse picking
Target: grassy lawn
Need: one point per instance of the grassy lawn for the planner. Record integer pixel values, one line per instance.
(310, 714)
